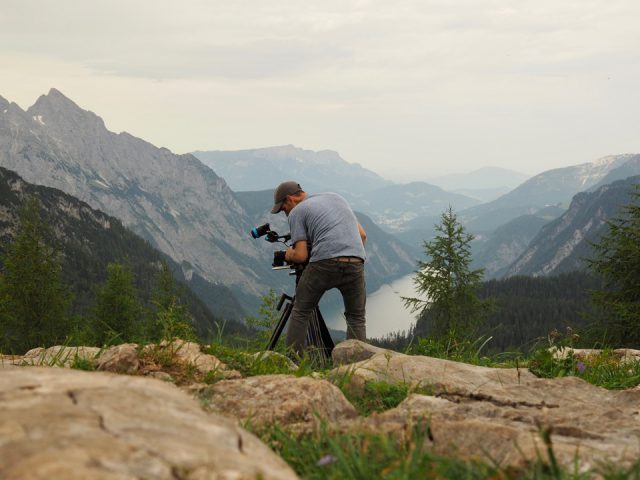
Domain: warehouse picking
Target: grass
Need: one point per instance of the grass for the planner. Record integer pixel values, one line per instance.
(604, 369)
(363, 456)
(327, 455)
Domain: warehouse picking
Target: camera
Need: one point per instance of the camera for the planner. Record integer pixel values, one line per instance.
(272, 236)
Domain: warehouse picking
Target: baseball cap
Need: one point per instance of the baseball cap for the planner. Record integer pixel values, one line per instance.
(280, 195)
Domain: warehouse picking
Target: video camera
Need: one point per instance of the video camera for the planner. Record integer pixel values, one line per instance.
(272, 237)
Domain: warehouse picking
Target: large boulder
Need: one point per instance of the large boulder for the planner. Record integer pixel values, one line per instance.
(441, 376)
(501, 415)
(297, 404)
(586, 423)
(70, 424)
(120, 359)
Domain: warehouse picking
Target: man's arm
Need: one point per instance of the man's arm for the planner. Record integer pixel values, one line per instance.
(298, 253)
(363, 234)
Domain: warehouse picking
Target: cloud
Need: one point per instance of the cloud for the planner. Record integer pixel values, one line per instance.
(361, 76)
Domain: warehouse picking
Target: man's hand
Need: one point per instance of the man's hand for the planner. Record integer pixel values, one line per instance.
(298, 253)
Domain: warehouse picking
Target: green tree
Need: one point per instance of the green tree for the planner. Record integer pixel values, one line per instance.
(33, 300)
(617, 260)
(118, 315)
(265, 323)
(169, 318)
(447, 302)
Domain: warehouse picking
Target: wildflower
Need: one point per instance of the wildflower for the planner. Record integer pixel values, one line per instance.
(581, 367)
(326, 460)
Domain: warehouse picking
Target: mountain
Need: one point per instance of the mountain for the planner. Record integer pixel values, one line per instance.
(174, 201)
(89, 240)
(562, 244)
(265, 168)
(552, 187)
(397, 207)
(503, 246)
(482, 178)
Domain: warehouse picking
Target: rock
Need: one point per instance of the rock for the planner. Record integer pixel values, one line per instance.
(623, 355)
(120, 359)
(58, 356)
(164, 376)
(352, 351)
(188, 354)
(295, 403)
(442, 376)
(58, 423)
(274, 357)
(489, 413)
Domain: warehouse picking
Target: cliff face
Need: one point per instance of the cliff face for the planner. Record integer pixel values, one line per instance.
(175, 202)
(562, 244)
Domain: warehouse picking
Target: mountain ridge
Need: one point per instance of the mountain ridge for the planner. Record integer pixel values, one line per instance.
(562, 244)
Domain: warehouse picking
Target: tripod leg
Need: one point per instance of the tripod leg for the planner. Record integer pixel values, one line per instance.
(327, 341)
(277, 331)
(318, 335)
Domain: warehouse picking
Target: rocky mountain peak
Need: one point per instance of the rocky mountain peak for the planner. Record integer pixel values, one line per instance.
(63, 117)
(4, 104)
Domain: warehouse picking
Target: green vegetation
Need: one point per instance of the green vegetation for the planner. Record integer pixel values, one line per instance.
(362, 456)
(332, 455)
(118, 313)
(617, 261)
(33, 299)
(451, 307)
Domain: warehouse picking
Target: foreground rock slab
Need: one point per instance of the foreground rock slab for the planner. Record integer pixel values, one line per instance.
(500, 414)
(298, 404)
(59, 423)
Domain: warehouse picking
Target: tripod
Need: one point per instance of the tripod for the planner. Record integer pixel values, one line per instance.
(317, 335)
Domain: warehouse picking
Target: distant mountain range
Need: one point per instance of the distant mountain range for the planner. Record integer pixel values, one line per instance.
(175, 202)
(390, 205)
(485, 184)
(562, 244)
(552, 187)
(265, 168)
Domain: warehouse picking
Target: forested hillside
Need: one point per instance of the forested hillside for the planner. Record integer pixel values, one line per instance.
(89, 240)
(528, 309)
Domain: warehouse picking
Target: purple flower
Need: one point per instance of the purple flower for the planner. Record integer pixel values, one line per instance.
(581, 367)
(326, 460)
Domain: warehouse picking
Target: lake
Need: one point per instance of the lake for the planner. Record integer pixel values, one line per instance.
(385, 310)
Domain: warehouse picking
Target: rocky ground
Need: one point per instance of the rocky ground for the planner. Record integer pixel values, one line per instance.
(170, 411)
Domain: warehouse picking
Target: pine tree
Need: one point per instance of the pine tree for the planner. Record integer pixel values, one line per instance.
(117, 314)
(170, 318)
(617, 261)
(449, 307)
(33, 299)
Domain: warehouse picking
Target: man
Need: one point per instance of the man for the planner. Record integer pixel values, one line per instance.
(325, 224)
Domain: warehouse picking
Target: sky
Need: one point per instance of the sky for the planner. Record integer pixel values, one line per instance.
(409, 89)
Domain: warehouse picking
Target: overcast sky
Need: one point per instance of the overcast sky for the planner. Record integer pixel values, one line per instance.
(406, 88)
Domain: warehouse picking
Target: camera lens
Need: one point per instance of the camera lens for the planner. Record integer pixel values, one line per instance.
(258, 232)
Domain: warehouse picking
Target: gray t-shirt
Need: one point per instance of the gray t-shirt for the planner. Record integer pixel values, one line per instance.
(327, 223)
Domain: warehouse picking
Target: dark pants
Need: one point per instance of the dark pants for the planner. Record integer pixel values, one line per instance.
(317, 278)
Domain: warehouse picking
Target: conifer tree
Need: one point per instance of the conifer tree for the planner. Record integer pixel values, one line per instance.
(617, 261)
(170, 318)
(117, 313)
(33, 299)
(448, 304)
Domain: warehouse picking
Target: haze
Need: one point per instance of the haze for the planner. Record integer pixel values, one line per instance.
(409, 89)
